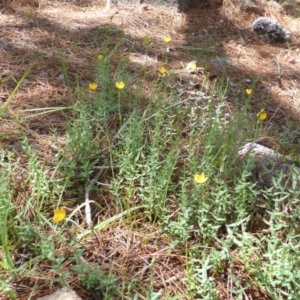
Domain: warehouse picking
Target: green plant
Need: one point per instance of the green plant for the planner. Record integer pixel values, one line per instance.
(64, 69)
(161, 160)
(4, 106)
(8, 232)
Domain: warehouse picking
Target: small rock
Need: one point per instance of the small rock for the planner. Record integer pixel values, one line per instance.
(247, 81)
(219, 61)
(233, 84)
(61, 77)
(25, 82)
(78, 26)
(271, 30)
(84, 82)
(63, 294)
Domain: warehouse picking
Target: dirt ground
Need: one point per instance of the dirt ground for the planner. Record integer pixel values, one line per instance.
(76, 30)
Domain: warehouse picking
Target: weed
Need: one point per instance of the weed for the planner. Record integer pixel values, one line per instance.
(8, 234)
(4, 106)
(163, 162)
(64, 69)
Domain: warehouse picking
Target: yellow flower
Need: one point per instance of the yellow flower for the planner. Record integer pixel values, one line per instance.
(120, 85)
(167, 38)
(200, 178)
(93, 86)
(162, 70)
(100, 57)
(59, 215)
(262, 115)
(249, 91)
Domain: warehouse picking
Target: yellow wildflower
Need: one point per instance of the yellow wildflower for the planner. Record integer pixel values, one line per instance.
(59, 215)
(93, 86)
(249, 91)
(167, 39)
(162, 70)
(200, 178)
(120, 85)
(100, 57)
(262, 115)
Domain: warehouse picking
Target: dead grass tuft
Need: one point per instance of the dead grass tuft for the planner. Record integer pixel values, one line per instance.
(137, 254)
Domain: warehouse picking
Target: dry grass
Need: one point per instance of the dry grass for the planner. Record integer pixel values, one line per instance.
(142, 256)
(63, 28)
(265, 59)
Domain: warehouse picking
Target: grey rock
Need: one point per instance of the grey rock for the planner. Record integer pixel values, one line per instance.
(63, 294)
(271, 30)
(267, 164)
(247, 80)
(233, 84)
(220, 61)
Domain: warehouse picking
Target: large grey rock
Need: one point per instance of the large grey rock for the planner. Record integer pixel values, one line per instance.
(269, 166)
(277, 175)
(174, 5)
